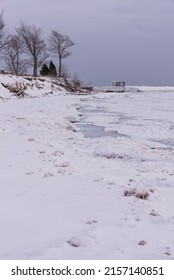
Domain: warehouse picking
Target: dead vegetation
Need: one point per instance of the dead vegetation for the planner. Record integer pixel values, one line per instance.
(139, 194)
(18, 89)
(114, 156)
(142, 242)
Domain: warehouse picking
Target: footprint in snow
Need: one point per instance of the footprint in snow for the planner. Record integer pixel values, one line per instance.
(92, 222)
(48, 174)
(154, 213)
(74, 242)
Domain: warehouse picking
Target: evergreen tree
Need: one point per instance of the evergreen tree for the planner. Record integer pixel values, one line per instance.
(52, 69)
(45, 70)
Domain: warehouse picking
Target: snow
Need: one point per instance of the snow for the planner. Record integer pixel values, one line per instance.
(65, 195)
(32, 87)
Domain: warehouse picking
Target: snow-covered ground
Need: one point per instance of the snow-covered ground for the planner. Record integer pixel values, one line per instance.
(28, 86)
(64, 195)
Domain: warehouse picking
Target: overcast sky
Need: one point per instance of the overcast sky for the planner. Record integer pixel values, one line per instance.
(131, 40)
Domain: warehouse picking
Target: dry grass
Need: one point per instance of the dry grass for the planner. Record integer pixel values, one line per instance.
(16, 88)
(142, 242)
(139, 194)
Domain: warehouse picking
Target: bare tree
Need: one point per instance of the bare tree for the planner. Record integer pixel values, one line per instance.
(12, 55)
(60, 44)
(34, 45)
(3, 37)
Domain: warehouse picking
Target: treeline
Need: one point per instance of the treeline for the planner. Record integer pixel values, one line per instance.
(26, 48)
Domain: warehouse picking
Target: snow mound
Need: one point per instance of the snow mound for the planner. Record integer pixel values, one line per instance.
(31, 87)
(28, 86)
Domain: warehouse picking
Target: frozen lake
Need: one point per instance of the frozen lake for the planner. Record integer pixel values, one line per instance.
(148, 116)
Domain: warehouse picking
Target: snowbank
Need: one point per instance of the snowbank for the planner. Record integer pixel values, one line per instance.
(27, 86)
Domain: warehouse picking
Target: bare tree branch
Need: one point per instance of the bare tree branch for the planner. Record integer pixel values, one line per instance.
(3, 36)
(12, 55)
(59, 44)
(34, 45)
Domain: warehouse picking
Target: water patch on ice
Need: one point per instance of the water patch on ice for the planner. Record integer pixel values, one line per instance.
(167, 142)
(95, 131)
(90, 109)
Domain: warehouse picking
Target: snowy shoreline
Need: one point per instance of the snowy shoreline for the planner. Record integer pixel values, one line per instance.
(67, 196)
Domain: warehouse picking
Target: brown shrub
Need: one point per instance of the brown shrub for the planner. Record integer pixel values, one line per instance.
(138, 194)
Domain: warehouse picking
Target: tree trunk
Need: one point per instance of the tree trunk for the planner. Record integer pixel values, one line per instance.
(35, 68)
(60, 67)
(17, 64)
